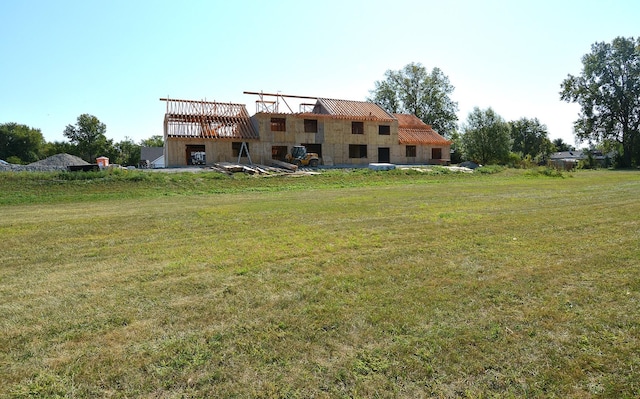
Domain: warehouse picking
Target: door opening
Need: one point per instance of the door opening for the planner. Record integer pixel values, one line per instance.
(196, 155)
(384, 154)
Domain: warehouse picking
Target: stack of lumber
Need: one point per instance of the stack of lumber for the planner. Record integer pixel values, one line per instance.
(284, 165)
(231, 168)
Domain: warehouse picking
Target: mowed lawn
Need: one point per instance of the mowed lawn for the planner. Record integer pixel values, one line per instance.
(506, 285)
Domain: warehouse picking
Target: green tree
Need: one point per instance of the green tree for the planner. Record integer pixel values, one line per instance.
(560, 145)
(128, 152)
(20, 142)
(485, 137)
(456, 147)
(89, 136)
(153, 141)
(59, 147)
(416, 91)
(530, 137)
(608, 91)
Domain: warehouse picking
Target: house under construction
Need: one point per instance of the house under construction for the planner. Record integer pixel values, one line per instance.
(341, 132)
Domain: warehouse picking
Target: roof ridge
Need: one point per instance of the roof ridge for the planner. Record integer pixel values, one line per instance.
(354, 108)
(342, 99)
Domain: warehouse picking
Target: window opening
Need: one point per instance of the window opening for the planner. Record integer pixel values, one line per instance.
(357, 127)
(357, 150)
(278, 124)
(236, 146)
(279, 152)
(311, 126)
(411, 151)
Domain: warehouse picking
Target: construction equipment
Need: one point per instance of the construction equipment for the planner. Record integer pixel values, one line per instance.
(300, 157)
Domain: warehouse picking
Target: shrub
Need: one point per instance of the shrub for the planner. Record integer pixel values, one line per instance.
(490, 169)
(544, 171)
(14, 160)
(514, 160)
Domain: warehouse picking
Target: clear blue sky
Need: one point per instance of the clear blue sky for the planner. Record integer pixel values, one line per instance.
(114, 59)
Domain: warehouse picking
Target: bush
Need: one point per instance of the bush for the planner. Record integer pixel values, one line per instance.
(514, 160)
(490, 169)
(14, 160)
(544, 171)
(90, 175)
(517, 161)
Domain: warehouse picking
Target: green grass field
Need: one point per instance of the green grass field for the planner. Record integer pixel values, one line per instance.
(348, 284)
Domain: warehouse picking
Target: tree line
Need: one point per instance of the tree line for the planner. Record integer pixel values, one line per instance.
(607, 90)
(485, 138)
(21, 144)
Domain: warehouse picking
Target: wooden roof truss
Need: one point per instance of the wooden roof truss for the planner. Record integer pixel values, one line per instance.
(210, 120)
(338, 109)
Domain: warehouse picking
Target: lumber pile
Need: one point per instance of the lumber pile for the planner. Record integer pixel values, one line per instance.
(284, 165)
(276, 168)
(231, 168)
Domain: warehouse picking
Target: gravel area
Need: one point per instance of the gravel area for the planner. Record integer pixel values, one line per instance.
(54, 162)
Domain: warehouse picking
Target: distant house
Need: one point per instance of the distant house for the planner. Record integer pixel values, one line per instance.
(152, 157)
(340, 131)
(568, 160)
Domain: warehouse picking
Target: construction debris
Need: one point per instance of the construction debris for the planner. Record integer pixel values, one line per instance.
(263, 170)
(285, 165)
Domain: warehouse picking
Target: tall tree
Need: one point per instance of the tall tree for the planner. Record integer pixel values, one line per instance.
(20, 142)
(456, 147)
(560, 145)
(416, 91)
(485, 137)
(128, 152)
(530, 137)
(89, 136)
(153, 141)
(60, 147)
(608, 91)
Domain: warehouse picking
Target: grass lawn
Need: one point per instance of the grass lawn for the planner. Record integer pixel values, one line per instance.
(348, 284)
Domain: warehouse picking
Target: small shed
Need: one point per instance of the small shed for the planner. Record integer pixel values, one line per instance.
(103, 162)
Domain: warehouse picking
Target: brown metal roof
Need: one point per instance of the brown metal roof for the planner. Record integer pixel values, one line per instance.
(352, 109)
(411, 130)
(210, 120)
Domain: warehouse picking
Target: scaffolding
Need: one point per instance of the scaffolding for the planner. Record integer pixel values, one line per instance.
(273, 106)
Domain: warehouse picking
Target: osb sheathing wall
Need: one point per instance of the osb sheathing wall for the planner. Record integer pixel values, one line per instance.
(338, 135)
(215, 150)
(423, 155)
(334, 135)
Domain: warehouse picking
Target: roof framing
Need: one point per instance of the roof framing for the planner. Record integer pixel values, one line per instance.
(334, 108)
(205, 119)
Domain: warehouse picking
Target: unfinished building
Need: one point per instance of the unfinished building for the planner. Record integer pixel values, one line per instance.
(342, 132)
